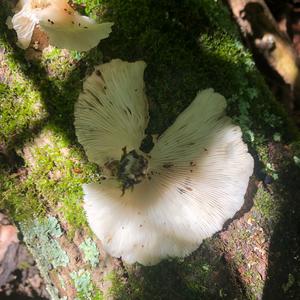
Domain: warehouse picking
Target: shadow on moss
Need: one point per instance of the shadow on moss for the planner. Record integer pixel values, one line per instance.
(202, 275)
(283, 279)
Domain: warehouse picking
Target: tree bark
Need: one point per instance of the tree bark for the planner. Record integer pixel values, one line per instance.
(44, 194)
(264, 37)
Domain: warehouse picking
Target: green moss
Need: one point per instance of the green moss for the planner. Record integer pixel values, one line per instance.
(290, 282)
(57, 173)
(218, 15)
(59, 63)
(118, 285)
(19, 109)
(89, 7)
(266, 205)
(196, 277)
(18, 198)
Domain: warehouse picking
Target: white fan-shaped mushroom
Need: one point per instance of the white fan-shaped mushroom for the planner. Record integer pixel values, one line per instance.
(112, 111)
(197, 176)
(64, 26)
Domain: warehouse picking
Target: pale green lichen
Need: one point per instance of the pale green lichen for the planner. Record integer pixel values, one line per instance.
(40, 236)
(82, 283)
(90, 252)
(84, 287)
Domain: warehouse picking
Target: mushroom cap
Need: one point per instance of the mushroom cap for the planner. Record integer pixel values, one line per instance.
(112, 111)
(198, 174)
(64, 26)
(23, 22)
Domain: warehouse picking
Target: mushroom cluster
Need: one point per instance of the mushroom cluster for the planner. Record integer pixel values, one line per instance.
(64, 27)
(164, 203)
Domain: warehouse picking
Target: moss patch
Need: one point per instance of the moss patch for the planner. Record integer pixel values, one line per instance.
(201, 275)
(266, 205)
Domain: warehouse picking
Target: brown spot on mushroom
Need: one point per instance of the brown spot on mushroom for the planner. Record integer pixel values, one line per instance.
(168, 165)
(188, 188)
(192, 164)
(205, 149)
(141, 225)
(142, 246)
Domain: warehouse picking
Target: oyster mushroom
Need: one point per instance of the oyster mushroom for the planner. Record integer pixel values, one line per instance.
(162, 204)
(63, 25)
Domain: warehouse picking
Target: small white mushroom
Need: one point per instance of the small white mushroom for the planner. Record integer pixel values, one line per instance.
(195, 179)
(63, 25)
